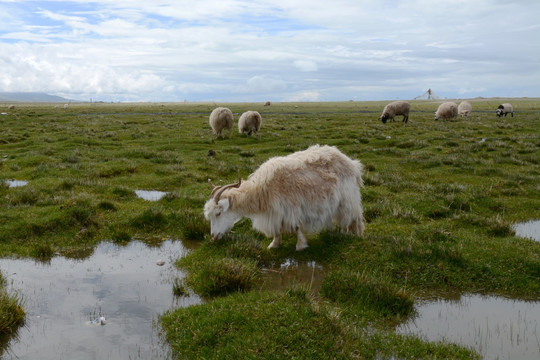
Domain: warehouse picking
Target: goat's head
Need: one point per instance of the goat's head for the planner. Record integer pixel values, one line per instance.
(218, 210)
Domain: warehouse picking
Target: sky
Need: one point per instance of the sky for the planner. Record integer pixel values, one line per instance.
(270, 50)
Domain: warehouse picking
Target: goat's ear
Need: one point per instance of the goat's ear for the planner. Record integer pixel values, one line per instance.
(224, 203)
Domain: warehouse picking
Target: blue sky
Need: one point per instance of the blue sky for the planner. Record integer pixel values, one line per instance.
(278, 50)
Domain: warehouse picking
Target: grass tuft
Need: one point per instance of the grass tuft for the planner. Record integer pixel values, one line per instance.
(179, 289)
(368, 291)
(12, 315)
(150, 219)
(42, 251)
(224, 276)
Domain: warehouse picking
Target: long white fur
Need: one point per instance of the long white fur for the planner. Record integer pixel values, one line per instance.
(306, 191)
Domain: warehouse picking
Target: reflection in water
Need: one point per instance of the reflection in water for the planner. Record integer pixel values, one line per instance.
(150, 195)
(496, 327)
(124, 285)
(529, 229)
(292, 272)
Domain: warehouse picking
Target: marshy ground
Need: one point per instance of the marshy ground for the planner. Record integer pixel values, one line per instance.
(440, 200)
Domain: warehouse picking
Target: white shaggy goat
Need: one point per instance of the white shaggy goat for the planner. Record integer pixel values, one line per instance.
(249, 122)
(306, 191)
(396, 108)
(505, 109)
(221, 118)
(464, 109)
(447, 110)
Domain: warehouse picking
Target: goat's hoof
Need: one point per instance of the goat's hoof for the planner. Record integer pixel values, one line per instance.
(301, 247)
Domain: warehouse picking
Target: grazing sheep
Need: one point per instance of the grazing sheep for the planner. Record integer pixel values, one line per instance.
(303, 192)
(464, 109)
(396, 108)
(66, 106)
(11, 107)
(221, 118)
(249, 122)
(505, 109)
(447, 110)
(267, 103)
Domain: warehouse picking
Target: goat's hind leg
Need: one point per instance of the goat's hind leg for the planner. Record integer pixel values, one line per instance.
(301, 243)
(276, 242)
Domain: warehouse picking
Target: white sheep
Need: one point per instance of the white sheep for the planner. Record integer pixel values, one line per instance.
(66, 106)
(306, 191)
(11, 107)
(395, 108)
(505, 109)
(447, 110)
(221, 118)
(249, 122)
(464, 109)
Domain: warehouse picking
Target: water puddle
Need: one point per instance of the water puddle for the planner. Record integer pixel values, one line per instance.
(529, 229)
(16, 183)
(498, 328)
(150, 195)
(293, 272)
(104, 306)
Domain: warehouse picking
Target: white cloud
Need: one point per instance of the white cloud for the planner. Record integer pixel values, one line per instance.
(240, 50)
(306, 65)
(305, 96)
(264, 84)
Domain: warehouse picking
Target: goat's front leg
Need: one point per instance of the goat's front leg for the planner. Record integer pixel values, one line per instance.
(301, 243)
(276, 242)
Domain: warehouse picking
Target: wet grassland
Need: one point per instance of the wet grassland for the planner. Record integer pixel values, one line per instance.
(440, 198)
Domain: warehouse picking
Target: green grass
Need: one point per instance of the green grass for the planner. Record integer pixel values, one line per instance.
(286, 325)
(12, 314)
(439, 200)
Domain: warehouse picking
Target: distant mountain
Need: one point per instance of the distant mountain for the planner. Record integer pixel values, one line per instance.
(30, 97)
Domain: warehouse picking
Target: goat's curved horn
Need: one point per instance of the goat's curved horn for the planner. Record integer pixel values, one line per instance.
(214, 188)
(225, 187)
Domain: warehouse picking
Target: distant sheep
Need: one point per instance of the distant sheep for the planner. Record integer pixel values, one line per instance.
(396, 108)
(66, 106)
(11, 107)
(464, 109)
(505, 109)
(249, 122)
(447, 110)
(267, 103)
(221, 118)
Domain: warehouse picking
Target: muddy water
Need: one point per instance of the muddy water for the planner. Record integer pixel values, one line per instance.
(65, 299)
(498, 328)
(529, 229)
